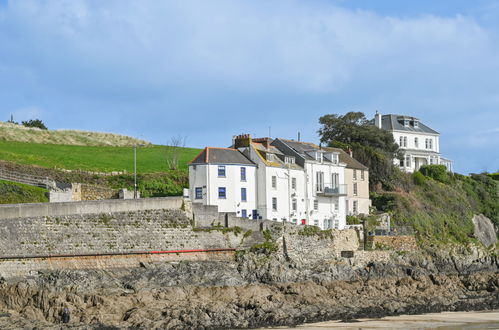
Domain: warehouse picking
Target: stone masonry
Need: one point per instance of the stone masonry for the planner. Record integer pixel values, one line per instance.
(137, 231)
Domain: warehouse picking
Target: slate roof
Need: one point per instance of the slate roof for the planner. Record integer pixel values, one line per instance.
(211, 155)
(350, 161)
(279, 158)
(302, 148)
(392, 123)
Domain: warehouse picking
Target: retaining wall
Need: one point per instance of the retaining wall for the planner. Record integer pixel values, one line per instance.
(207, 216)
(399, 243)
(12, 211)
(121, 232)
(25, 267)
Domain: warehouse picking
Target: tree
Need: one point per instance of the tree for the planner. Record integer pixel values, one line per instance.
(173, 150)
(34, 123)
(371, 146)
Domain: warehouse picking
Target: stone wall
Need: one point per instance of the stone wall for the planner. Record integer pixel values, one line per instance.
(318, 246)
(23, 267)
(139, 231)
(91, 193)
(11, 211)
(398, 243)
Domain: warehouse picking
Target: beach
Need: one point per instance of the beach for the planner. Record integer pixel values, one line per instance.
(447, 320)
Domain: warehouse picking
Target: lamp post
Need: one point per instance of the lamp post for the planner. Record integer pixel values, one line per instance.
(135, 169)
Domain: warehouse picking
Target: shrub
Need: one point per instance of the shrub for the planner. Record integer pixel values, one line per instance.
(34, 123)
(436, 172)
(418, 178)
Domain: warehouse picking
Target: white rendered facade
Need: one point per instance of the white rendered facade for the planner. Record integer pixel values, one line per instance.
(232, 187)
(419, 144)
(276, 186)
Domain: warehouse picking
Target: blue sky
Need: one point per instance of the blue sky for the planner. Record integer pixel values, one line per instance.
(209, 70)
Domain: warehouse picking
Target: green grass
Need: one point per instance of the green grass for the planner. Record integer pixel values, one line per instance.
(150, 159)
(12, 193)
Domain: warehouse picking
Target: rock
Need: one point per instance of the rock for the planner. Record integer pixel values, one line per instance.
(484, 230)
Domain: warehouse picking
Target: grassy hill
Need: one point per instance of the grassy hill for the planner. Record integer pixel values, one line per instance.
(11, 192)
(150, 159)
(13, 132)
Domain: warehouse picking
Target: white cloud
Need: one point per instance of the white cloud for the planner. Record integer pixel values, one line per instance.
(305, 46)
(284, 62)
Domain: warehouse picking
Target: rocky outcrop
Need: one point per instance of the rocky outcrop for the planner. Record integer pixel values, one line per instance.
(484, 230)
(255, 290)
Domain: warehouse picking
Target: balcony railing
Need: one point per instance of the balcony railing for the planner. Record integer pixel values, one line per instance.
(331, 191)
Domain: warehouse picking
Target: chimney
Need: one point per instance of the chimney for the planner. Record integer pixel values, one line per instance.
(242, 140)
(377, 119)
(350, 152)
(298, 136)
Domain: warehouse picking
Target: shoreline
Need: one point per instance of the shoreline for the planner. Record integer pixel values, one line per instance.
(488, 319)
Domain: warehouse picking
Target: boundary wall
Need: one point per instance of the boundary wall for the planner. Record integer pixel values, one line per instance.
(12, 211)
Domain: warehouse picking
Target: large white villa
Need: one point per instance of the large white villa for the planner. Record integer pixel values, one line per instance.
(420, 145)
(280, 180)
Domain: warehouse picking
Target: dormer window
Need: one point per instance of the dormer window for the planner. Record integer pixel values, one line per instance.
(416, 124)
(318, 156)
(289, 160)
(270, 157)
(406, 122)
(334, 159)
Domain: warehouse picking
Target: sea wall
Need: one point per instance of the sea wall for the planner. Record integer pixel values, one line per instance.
(118, 232)
(12, 211)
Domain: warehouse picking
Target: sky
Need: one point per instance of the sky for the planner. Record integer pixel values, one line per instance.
(208, 70)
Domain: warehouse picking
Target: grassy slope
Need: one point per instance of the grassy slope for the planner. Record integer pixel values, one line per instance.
(150, 159)
(13, 132)
(11, 192)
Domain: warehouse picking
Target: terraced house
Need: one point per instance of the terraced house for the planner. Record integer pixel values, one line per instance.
(284, 180)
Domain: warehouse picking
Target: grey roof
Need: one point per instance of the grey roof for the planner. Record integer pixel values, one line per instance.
(211, 155)
(394, 123)
(350, 161)
(302, 148)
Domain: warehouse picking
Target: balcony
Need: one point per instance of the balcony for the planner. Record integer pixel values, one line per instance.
(332, 191)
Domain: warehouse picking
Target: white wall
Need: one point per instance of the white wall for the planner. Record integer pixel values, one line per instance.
(327, 210)
(421, 138)
(206, 176)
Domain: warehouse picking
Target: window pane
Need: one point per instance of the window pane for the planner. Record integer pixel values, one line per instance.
(243, 194)
(221, 192)
(221, 171)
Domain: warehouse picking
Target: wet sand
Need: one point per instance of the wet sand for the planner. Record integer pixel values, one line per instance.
(442, 321)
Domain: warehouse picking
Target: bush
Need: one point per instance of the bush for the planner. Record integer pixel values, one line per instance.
(418, 178)
(34, 123)
(436, 172)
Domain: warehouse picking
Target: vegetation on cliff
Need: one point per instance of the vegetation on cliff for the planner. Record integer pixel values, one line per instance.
(11, 192)
(440, 205)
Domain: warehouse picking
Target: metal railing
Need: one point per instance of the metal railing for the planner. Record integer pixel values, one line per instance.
(330, 190)
(39, 181)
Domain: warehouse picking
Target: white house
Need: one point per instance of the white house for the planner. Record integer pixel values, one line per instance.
(223, 177)
(279, 180)
(284, 181)
(420, 145)
(324, 191)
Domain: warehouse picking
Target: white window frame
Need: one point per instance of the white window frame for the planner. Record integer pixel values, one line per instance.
(274, 182)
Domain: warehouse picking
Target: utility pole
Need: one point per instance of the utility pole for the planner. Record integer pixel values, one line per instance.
(135, 171)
